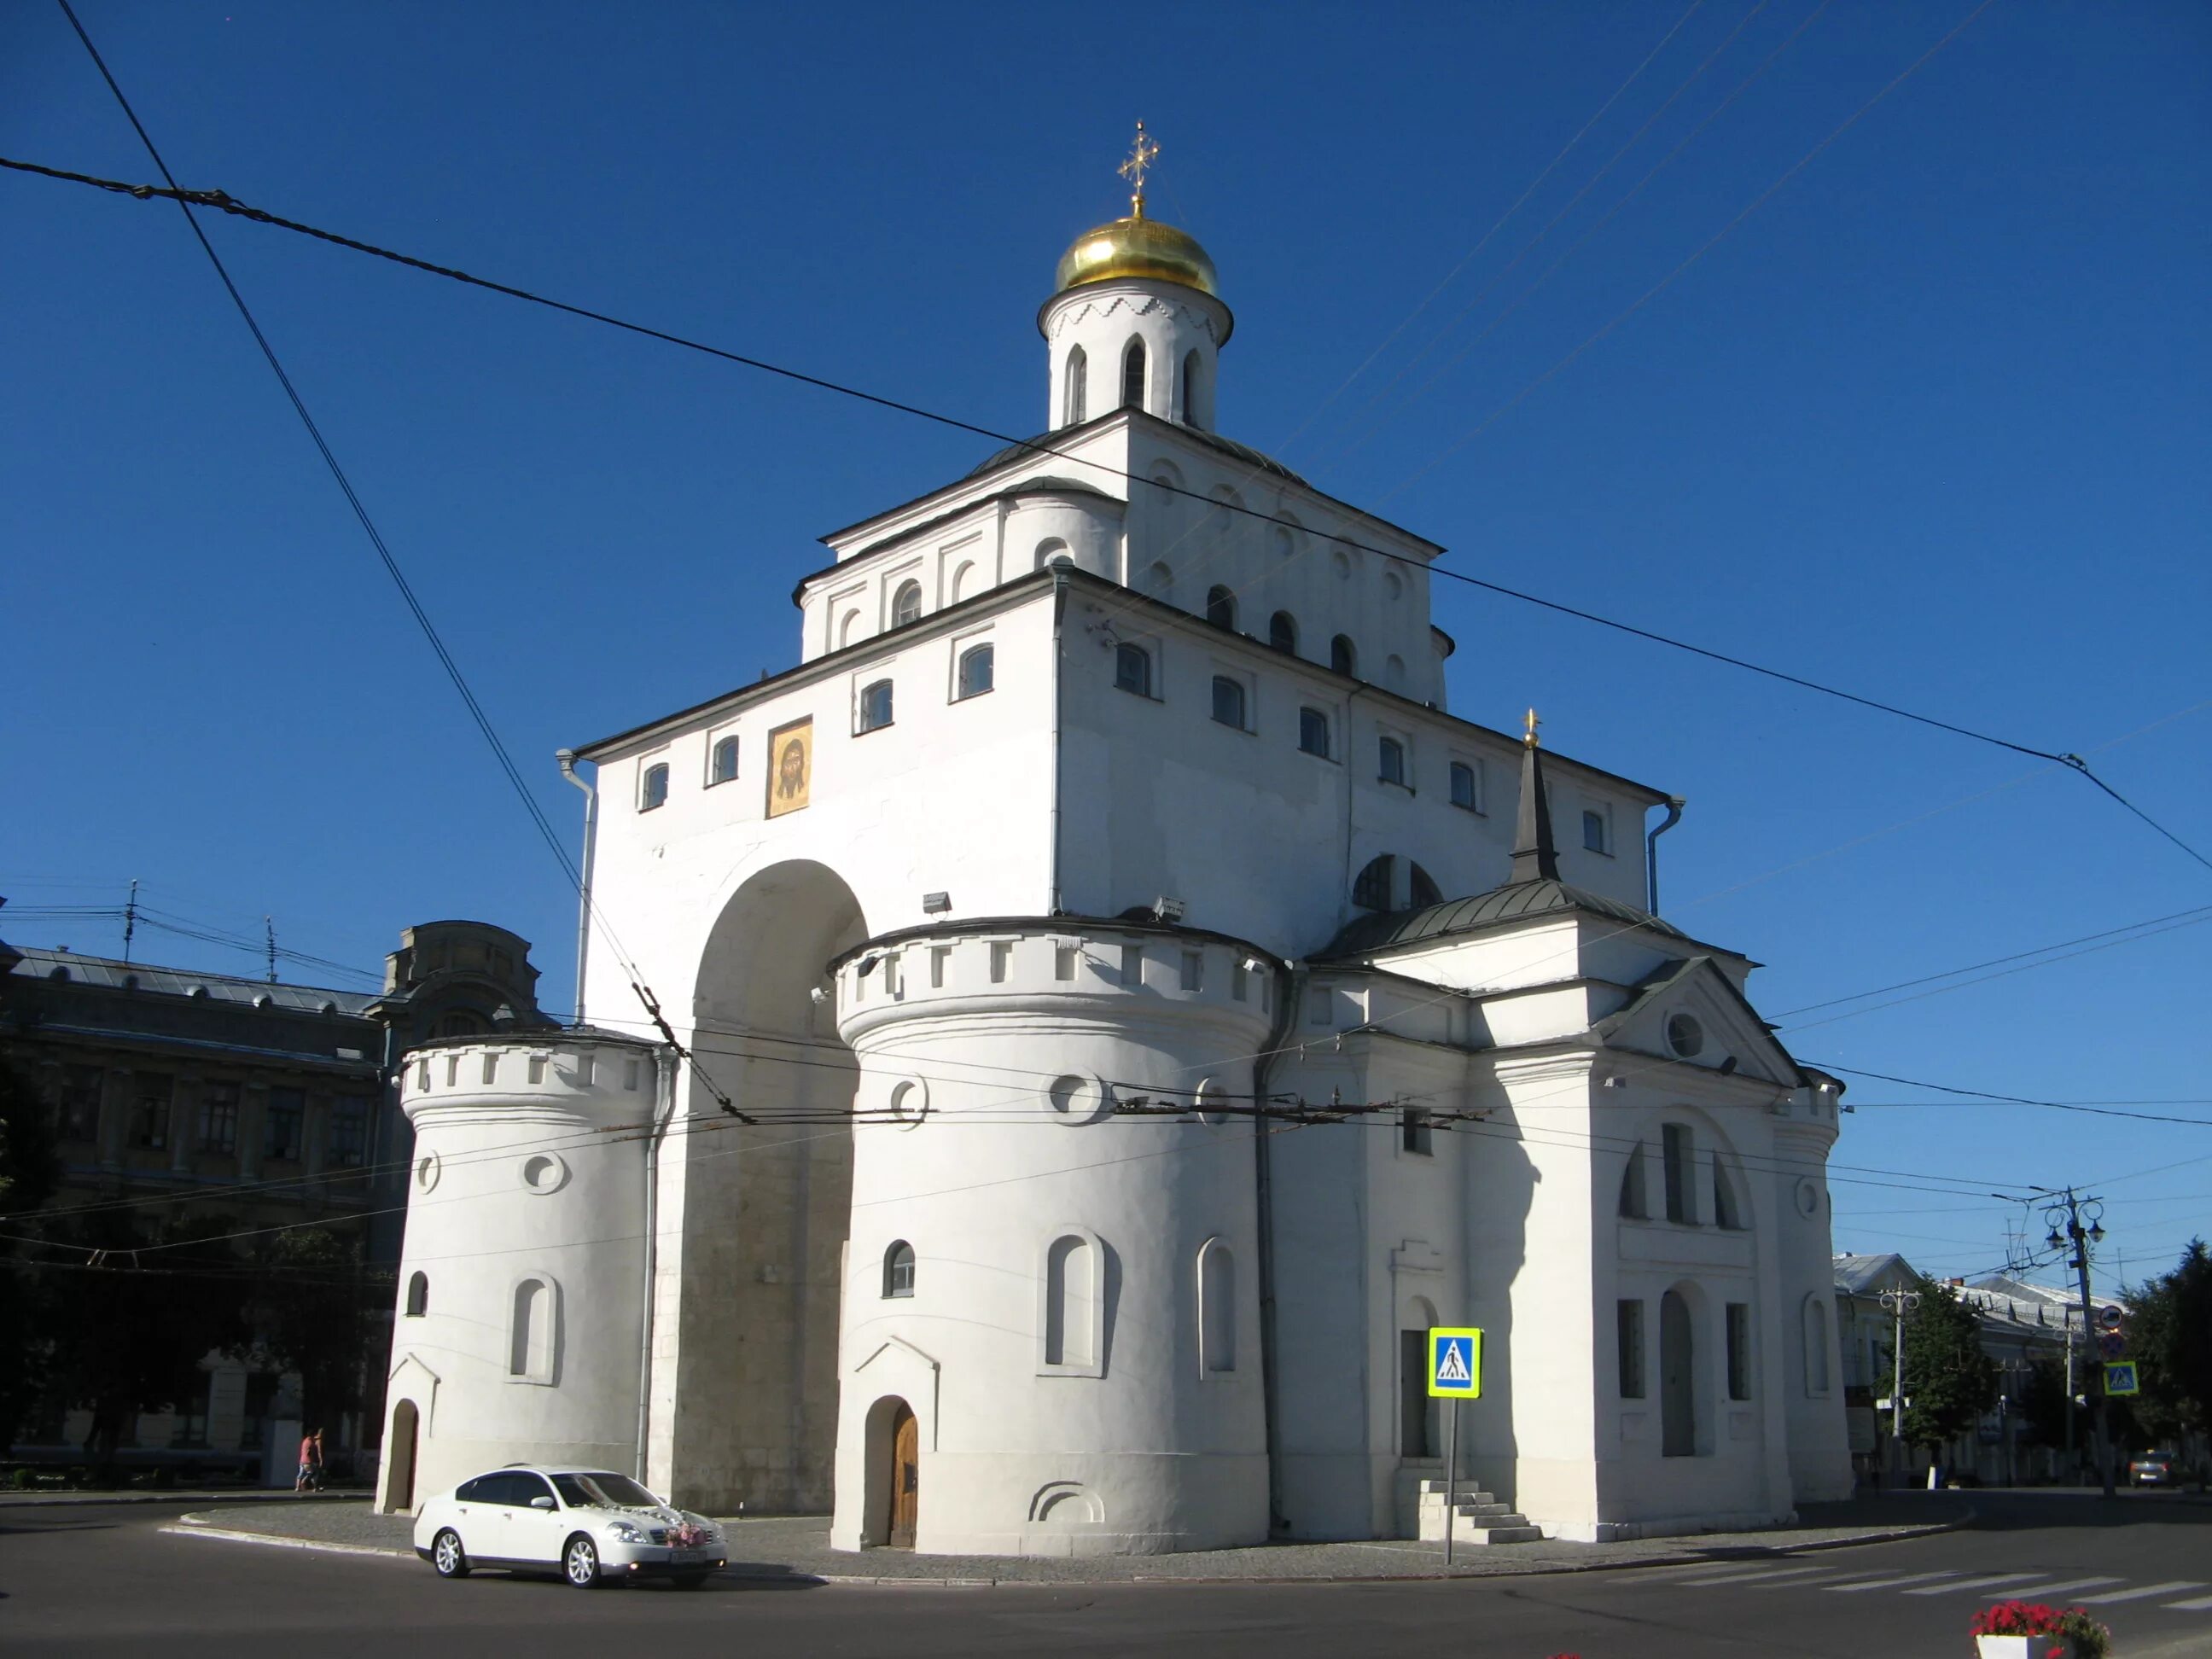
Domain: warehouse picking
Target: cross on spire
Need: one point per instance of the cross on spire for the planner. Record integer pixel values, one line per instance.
(1529, 727)
(1135, 169)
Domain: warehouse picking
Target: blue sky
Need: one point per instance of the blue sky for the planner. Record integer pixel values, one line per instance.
(1930, 423)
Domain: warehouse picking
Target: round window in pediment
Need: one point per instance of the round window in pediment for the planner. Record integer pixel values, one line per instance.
(1685, 1035)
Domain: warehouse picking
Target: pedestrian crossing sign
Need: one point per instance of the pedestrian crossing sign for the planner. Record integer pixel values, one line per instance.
(2120, 1377)
(1454, 1362)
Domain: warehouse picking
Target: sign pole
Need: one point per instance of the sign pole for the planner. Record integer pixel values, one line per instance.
(1451, 1472)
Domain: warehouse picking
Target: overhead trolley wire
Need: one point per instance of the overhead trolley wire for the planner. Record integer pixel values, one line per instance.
(530, 802)
(221, 201)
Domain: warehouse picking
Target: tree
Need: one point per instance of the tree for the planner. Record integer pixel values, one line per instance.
(2044, 1406)
(2169, 1332)
(30, 1170)
(1949, 1380)
(310, 1315)
(128, 1326)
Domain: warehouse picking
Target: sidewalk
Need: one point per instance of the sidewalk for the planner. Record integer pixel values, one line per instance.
(785, 1547)
(30, 1500)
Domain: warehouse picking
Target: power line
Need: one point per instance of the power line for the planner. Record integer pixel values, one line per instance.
(2011, 1100)
(384, 554)
(221, 200)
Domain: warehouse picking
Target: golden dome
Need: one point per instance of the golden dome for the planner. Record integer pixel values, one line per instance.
(1136, 246)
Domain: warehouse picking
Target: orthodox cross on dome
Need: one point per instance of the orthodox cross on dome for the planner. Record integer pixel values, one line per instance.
(1135, 169)
(1529, 725)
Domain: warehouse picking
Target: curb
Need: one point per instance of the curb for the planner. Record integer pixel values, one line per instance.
(249, 1495)
(190, 1526)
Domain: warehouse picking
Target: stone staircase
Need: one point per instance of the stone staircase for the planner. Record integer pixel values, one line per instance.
(1477, 1518)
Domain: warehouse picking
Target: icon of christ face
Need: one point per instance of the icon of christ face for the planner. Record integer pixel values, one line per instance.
(791, 770)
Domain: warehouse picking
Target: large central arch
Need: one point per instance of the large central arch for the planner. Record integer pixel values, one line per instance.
(752, 1416)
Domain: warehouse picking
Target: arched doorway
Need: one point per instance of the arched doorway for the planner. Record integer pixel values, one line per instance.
(399, 1448)
(765, 1206)
(1678, 1393)
(903, 1507)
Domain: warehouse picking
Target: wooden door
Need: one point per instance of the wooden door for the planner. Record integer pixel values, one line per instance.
(906, 1478)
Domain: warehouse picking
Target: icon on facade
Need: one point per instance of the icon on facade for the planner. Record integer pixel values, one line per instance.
(791, 771)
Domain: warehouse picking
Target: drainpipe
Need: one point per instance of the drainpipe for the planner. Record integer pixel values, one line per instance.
(1675, 805)
(1351, 797)
(664, 1099)
(1059, 610)
(1290, 994)
(567, 759)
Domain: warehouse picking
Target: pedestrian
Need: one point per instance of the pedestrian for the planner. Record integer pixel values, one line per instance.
(311, 1462)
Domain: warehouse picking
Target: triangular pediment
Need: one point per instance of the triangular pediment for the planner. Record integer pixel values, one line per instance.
(1690, 1013)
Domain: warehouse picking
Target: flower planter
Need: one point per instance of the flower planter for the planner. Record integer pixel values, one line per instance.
(2020, 1647)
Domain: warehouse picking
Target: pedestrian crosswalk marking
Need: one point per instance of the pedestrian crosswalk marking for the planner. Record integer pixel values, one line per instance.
(2099, 1597)
(1886, 1583)
(1764, 1573)
(2059, 1588)
(1971, 1583)
(2202, 1603)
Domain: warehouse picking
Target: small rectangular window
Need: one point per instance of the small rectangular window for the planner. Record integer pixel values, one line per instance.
(722, 766)
(939, 956)
(1675, 1144)
(1313, 732)
(537, 1068)
(1002, 956)
(891, 975)
(80, 1102)
(1629, 1324)
(1193, 971)
(422, 1074)
(1415, 1131)
(1318, 1009)
(1594, 838)
(1132, 965)
(287, 1112)
(652, 788)
(1063, 962)
(585, 1066)
(349, 1131)
(1240, 981)
(453, 1071)
(1229, 701)
(1465, 786)
(1738, 1350)
(1391, 762)
(631, 1071)
(218, 1117)
(491, 1068)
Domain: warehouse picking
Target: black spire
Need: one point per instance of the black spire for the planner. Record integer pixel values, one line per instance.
(1534, 857)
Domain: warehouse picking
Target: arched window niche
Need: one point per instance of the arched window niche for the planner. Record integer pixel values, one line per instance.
(1344, 656)
(1133, 669)
(906, 604)
(1071, 1305)
(1370, 890)
(1283, 633)
(976, 671)
(724, 767)
(1075, 390)
(1193, 389)
(418, 1295)
(533, 1331)
(1216, 1308)
(876, 706)
(1133, 375)
(898, 1270)
(1221, 608)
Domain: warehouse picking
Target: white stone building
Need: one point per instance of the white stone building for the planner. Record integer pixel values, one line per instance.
(1114, 796)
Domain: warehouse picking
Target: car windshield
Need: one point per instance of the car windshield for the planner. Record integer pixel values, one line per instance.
(604, 1492)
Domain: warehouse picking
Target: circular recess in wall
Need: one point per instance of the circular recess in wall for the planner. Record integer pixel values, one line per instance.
(544, 1172)
(1685, 1035)
(1072, 1099)
(1208, 1100)
(1808, 1196)
(1342, 560)
(427, 1168)
(1393, 585)
(908, 1102)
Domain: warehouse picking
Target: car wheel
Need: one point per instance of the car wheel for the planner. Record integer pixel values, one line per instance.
(580, 1563)
(447, 1555)
(688, 1580)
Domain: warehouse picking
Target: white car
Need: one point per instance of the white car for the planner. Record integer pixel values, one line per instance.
(588, 1525)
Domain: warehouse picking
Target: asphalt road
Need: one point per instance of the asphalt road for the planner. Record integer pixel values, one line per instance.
(103, 1579)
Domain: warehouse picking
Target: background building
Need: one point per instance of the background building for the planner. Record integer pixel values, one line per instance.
(180, 1097)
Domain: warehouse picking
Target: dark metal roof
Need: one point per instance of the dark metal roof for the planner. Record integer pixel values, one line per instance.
(1039, 446)
(108, 974)
(1517, 900)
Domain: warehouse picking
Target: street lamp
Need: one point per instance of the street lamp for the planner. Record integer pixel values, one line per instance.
(1899, 1302)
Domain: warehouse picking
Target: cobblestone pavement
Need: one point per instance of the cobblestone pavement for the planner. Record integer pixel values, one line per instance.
(799, 1547)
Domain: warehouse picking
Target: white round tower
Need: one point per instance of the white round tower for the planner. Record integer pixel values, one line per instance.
(1050, 1329)
(517, 1332)
(1135, 319)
